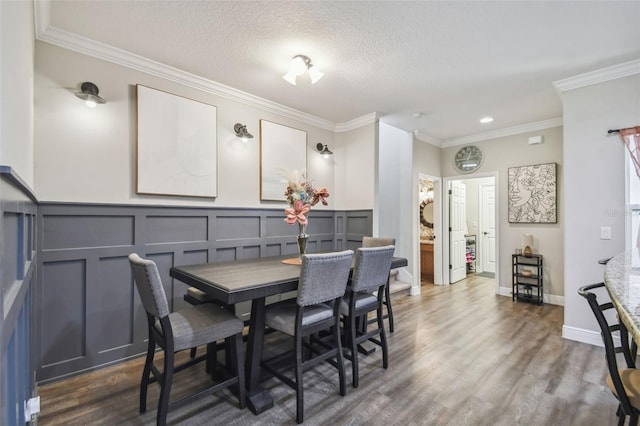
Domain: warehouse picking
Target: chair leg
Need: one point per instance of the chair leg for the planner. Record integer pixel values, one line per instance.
(238, 366)
(340, 360)
(146, 372)
(383, 338)
(299, 387)
(165, 383)
(387, 297)
(354, 350)
(633, 419)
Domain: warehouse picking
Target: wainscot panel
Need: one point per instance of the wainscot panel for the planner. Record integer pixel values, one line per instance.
(89, 313)
(18, 209)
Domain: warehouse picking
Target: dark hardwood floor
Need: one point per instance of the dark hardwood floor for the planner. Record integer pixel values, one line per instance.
(460, 355)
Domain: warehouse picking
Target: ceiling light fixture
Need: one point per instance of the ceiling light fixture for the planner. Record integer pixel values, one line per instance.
(486, 120)
(298, 65)
(242, 132)
(89, 94)
(324, 150)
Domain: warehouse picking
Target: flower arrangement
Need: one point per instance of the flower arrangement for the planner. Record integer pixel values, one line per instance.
(301, 196)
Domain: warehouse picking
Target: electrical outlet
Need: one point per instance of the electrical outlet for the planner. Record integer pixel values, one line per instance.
(31, 409)
(605, 233)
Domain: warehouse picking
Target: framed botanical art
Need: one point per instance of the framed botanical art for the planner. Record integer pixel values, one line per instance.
(176, 145)
(281, 147)
(532, 194)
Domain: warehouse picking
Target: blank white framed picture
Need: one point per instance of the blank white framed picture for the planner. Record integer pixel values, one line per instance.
(281, 147)
(176, 145)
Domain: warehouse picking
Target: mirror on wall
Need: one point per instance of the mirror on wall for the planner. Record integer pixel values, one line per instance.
(426, 210)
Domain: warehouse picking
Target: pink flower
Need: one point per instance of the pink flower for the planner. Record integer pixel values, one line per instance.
(297, 213)
(320, 196)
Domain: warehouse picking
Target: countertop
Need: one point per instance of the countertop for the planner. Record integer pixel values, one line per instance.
(622, 280)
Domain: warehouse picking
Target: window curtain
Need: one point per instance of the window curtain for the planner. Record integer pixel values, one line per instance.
(631, 139)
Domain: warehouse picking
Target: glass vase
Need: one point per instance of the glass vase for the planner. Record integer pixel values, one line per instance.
(302, 238)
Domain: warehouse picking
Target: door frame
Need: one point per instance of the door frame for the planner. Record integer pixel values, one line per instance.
(445, 223)
(437, 230)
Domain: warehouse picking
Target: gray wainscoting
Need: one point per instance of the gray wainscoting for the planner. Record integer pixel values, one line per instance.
(18, 210)
(88, 310)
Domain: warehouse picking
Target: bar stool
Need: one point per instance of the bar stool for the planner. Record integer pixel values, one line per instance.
(180, 330)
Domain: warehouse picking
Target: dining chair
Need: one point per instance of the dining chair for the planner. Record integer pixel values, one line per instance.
(184, 329)
(323, 281)
(380, 242)
(623, 382)
(370, 275)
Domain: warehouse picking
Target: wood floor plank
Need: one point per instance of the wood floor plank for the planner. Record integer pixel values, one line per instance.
(460, 355)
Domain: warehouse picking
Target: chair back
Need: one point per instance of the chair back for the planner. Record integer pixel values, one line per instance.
(607, 329)
(323, 277)
(149, 284)
(372, 267)
(378, 242)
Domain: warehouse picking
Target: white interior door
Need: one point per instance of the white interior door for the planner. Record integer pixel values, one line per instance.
(488, 227)
(457, 223)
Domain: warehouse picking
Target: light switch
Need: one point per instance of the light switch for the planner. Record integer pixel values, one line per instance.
(605, 233)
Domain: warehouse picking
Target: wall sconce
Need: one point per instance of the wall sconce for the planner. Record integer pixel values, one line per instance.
(298, 65)
(241, 132)
(324, 150)
(89, 94)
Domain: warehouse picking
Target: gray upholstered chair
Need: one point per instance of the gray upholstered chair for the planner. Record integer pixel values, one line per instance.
(380, 242)
(323, 281)
(180, 330)
(370, 275)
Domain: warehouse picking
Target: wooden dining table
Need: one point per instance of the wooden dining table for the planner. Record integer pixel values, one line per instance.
(249, 280)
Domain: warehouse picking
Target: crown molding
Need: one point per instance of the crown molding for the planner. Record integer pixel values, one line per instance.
(507, 131)
(46, 33)
(356, 123)
(598, 76)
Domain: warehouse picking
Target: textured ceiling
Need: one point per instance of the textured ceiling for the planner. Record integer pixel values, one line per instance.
(454, 62)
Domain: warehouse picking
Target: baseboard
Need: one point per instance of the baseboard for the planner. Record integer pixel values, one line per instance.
(581, 335)
(551, 299)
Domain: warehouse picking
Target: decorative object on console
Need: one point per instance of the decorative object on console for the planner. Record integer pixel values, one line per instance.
(89, 94)
(324, 150)
(298, 65)
(242, 132)
(527, 245)
(532, 194)
(301, 196)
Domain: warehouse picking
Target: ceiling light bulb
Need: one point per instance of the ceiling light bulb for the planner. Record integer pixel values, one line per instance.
(486, 120)
(297, 66)
(315, 74)
(290, 77)
(90, 103)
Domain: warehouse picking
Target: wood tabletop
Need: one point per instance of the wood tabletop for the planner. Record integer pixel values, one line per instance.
(237, 281)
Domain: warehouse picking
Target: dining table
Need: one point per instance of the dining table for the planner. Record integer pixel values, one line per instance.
(231, 282)
(622, 281)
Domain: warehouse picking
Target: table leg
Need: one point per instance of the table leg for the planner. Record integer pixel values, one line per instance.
(258, 399)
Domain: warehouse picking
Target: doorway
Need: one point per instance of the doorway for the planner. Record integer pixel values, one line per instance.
(471, 213)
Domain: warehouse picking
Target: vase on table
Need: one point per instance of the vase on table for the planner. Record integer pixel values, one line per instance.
(302, 238)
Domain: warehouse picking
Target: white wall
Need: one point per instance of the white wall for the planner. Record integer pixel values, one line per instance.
(89, 155)
(594, 187)
(396, 196)
(16, 87)
(513, 151)
(354, 160)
